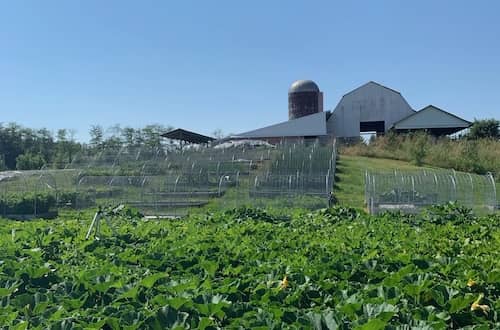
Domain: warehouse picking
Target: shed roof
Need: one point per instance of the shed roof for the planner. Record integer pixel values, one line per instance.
(432, 118)
(187, 136)
(312, 125)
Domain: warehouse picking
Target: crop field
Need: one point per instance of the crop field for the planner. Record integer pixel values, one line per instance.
(335, 268)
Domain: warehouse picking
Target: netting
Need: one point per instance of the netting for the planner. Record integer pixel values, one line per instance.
(299, 175)
(409, 191)
(164, 182)
(35, 193)
(173, 182)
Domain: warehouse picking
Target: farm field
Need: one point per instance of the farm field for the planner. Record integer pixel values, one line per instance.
(350, 173)
(350, 176)
(247, 268)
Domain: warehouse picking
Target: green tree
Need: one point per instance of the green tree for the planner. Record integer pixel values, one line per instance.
(128, 136)
(29, 161)
(151, 135)
(96, 136)
(486, 128)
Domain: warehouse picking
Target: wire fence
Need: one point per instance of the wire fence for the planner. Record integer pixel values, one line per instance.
(409, 191)
(174, 182)
(299, 175)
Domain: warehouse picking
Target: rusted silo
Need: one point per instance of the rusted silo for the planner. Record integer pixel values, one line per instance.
(304, 98)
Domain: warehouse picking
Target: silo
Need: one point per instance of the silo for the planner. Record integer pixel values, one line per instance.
(304, 98)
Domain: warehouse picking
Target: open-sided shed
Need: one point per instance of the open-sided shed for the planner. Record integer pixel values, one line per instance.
(433, 120)
(187, 136)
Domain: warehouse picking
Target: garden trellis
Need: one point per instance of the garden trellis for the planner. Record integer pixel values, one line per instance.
(165, 182)
(409, 191)
(172, 182)
(300, 174)
(25, 194)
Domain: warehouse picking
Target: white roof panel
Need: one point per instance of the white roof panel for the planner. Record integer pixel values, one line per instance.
(312, 125)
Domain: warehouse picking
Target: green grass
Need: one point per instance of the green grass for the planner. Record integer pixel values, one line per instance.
(350, 185)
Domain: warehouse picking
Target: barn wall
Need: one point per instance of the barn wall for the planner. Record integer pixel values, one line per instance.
(370, 102)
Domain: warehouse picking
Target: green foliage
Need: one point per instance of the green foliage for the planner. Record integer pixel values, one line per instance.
(29, 161)
(26, 203)
(481, 129)
(479, 156)
(418, 148)
(25, 148)
(247, 268)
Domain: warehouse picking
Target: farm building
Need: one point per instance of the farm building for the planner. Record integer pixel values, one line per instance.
(371, 107)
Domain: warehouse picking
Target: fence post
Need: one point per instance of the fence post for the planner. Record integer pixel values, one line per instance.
(490, 175)
(454, 188)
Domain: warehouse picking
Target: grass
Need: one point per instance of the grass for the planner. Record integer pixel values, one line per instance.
(350, 185)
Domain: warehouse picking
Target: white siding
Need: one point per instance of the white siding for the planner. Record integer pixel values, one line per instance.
(370, 102)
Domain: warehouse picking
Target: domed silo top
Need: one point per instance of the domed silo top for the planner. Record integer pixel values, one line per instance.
(303, 86)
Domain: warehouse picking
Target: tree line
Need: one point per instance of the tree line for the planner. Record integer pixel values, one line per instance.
(23, 148)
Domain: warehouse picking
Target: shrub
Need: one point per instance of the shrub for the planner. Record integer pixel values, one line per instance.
(29, 203)
(478, 156)
(482, 129)
(418, 148)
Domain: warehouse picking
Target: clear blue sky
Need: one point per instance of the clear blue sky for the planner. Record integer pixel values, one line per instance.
(228, 64)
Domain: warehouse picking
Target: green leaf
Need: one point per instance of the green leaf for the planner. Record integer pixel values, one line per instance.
(374, 324)
(132, 293)
(23, 325)
(177, 302)
(204, 323)
(150, 280)
(460, 303)
(5, 292)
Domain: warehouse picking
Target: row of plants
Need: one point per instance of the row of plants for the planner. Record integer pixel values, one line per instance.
(40, 203)
(336, 268)
(26, 203)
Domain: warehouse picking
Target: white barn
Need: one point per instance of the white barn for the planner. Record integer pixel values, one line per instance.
(371, 107)
(368, 108)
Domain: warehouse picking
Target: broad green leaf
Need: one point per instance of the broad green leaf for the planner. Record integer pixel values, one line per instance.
(150, 280)
(374, 324)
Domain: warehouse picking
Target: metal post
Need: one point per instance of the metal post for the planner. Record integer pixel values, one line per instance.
(490, 175)
(454, 187)
(96, 218)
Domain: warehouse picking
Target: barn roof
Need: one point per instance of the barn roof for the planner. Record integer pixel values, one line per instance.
(372, 83)
(433, 119)
(312, 125)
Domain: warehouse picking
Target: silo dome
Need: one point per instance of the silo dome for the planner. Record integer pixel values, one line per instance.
(303, 86)
(304, 99)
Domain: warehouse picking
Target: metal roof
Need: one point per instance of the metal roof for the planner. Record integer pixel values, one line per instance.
(303, 86)
(432, 118)
(187, 136)
(372, 83)
(312, 125)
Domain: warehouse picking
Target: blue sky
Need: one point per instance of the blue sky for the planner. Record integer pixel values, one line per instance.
(206, 65)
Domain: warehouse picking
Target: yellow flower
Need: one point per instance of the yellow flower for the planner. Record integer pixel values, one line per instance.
(476, 306)
(284, 283)
(471, 283)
